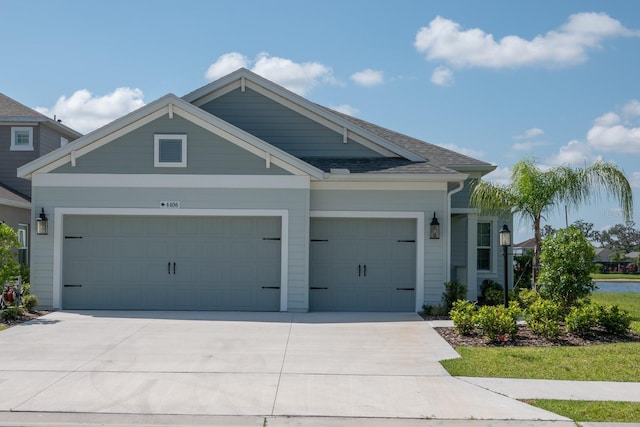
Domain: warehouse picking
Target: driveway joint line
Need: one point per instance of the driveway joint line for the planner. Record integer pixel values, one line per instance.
(284, 357)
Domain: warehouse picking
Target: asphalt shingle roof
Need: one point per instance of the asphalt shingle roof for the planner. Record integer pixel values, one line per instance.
(377, 165)
(12, 108)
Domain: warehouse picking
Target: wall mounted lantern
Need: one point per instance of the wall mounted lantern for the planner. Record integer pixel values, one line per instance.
(42, 224)
(505, 242)
(434, 230)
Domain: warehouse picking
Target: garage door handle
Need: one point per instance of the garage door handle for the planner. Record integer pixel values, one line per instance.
(314, 288)
(168, 268)
(174, 268)
(271, 287)
(359, 270)
(365, 270)
(405, 289)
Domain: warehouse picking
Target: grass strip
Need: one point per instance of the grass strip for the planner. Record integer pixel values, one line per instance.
(607, 362)
(615, 276)
(591, 411)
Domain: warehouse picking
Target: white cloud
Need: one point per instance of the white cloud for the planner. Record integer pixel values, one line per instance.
(84, 112)
(528, 145)
(574, 154)
(346, 109)
(297, 77)
(445, 40)
(442, 76)
(466, 151)
(368, 77)
(499, 176)
(225, 64)
(530, 133)
(610, 134)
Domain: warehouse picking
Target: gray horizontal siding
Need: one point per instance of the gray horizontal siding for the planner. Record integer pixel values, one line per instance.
(207, 153)
(10, 161)
(283, 127)
(295, 201)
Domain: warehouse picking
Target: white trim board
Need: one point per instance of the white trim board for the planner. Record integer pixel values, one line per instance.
(58, 237)
(170, 181)
(420, 238)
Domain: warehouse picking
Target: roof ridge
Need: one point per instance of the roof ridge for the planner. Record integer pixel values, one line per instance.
(4, 100)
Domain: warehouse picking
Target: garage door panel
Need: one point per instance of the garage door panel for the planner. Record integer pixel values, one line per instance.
(362, 264)
(121, 266)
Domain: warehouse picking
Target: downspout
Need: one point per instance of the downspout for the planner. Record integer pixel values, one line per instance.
(447, 263)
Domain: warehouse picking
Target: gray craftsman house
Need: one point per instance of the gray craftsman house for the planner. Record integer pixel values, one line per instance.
(25, 135)
(242, 195)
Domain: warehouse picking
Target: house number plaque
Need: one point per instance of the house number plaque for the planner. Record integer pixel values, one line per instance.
(170, 204)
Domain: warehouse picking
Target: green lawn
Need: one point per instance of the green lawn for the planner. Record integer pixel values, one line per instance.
(3, 327)
(590, 411)
(606, 362)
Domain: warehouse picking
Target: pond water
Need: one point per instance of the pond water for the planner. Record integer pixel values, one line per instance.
(617, 287)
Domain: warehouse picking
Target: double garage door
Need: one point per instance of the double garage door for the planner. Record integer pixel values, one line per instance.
(233, 263)
(176, 263)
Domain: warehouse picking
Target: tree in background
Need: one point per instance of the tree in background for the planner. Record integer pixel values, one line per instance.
(532, 193)
(620, 238)
(9, 244)
(566, 266)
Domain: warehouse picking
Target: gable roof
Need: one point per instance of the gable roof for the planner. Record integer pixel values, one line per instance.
(13, 111)
(167, 105)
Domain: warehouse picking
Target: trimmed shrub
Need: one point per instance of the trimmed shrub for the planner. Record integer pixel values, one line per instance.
(463, 314)
(527, 297)
(582, 319)
(497, 322)
(614, 320)
(491, 292)
(29, 302)
(453, 291)
(543, 317)
(11, 313)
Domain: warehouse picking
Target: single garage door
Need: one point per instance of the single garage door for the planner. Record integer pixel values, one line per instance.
(362, 265)
(171, 263)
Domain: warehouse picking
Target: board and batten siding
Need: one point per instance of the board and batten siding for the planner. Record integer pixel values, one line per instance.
(207, 153)
(283, 127)
(295, 201)
(426, 202)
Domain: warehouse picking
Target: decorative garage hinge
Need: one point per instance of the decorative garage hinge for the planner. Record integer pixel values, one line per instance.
(73, 237)
(270, 238)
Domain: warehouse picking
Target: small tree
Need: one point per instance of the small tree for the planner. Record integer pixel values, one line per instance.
(9, 244)
(566, 265)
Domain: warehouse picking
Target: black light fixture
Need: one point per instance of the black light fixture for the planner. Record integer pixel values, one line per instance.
(434, 231)
(42, 224)
(505, 242)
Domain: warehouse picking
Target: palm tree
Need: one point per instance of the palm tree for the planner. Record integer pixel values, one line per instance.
(533, 193)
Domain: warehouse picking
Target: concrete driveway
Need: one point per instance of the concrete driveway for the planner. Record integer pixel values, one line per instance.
(240, 364)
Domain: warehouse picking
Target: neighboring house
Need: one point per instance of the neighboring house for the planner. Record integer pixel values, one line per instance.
(522, 247)
(243, 195)
(25, 135)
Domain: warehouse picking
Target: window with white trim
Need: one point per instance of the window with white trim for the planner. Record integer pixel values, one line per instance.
(484, 246)
(23, 239)
(21, 139)
(170, 151)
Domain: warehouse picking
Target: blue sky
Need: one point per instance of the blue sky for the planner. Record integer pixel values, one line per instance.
(497, 80)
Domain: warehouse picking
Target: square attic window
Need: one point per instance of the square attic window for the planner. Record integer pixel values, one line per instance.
(170, 151)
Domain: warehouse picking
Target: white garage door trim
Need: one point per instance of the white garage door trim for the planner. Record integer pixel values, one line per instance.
(59, 214)
(418, 216)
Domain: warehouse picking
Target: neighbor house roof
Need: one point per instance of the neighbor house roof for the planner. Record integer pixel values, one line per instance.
(8, 197)
(603, 254)
(526, 244)
(13, 111)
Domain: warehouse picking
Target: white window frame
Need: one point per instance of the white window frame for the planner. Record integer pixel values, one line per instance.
(492, 248)
(19, 147)
(157, 138)
(63, 141)
(23, 238)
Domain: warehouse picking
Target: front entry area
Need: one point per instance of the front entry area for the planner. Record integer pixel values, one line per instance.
(361, 264)
(171, 263)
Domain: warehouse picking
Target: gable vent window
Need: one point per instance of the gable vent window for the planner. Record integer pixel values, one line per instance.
(170, 151)
(21, 139)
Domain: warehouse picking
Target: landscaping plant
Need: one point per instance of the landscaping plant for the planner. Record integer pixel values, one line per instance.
(453, 291)
(543, 317)
(498, 323)
(463, 314)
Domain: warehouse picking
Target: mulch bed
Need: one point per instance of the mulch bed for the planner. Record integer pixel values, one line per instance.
(526, 338)
(28, 315)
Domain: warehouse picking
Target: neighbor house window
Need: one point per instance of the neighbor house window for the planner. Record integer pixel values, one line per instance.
(484, 246)
(63, 141)
(23, 239)
(21, 139)
(170, 151)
